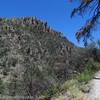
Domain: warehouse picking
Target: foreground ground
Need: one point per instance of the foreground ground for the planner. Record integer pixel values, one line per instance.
(95, 90)
(74, 90)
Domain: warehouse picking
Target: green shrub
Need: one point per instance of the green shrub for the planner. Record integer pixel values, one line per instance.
(1, 87)
(90, 70)
(85, 76)
(52, 91)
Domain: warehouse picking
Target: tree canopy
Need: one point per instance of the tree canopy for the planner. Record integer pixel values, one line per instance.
(93, 8)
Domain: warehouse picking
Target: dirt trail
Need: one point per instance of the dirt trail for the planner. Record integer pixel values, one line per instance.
(94, 93)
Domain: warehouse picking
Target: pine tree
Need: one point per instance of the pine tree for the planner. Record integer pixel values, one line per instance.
(93, 8)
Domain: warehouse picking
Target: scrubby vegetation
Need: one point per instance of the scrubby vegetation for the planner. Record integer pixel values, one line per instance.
(77, 87)
(35, 60)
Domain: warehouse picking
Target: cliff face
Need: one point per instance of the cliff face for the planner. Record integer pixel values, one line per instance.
(33, 56)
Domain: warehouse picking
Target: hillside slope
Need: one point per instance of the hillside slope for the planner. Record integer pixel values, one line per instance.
(33, 57)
